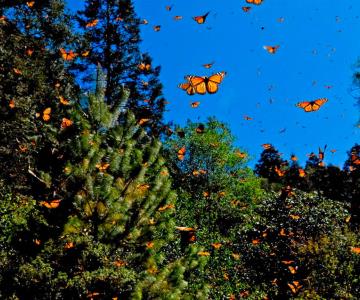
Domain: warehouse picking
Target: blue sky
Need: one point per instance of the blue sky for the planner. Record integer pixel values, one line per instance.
(319, 46)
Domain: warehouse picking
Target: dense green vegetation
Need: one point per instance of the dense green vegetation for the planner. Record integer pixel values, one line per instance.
(100, 200)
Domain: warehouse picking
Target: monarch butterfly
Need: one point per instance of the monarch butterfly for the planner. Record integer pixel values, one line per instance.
(92, 23)
(46, 114)
(256, 2)
(144, 22)
(294, 217)
(292, 269)
(208, 66)
(266, 146)
(66, 123)
(195, 104)
(67, 55)
(355, 159)
(201, 19)
(12, 103)
(178, 18)
(157, 28)
(85, 53)
(287, 262)
(246, 8)
(64, 101)
(181, 153)
(302, 173)
(165, 207)
(30, 3)
(294, 157)
(69, 245)
(309, 106)
(29, 51)
(102, 166)
(281, 19)
(168, 7)
(51, 203)
(295, 286)
(279, 172)
(271, 49)
(17, 71)
(143, 121)
(188, 88)
(255, 241)
(247, 118)
(203, 84)
(144, 67)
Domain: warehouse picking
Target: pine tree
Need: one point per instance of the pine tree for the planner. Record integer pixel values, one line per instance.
(33, 81)
(111, 38)
(111, 231)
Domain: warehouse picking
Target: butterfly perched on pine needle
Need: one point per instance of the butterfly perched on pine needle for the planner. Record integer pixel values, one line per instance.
(92, 23)
(30, 3)
(181, 153)
(70, 55)
(201, 19)
(144, 66)
(46, 114)
(310, 106)
(51, 203)
(256, 2)
(203, 84)
(65, 123)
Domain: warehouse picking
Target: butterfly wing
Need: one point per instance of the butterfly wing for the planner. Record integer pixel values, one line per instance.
(305, 105)
(318, 103)
(188, 88)
(213, 82)
(198, 83)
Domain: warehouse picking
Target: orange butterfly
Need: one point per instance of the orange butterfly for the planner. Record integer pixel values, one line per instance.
(102, 166)
(66, 123)
(355, 159)
(29, 51)
(201, 19)
(64, 101)
(188, 88)
(168, 7)
(143, 121)
(203, 84)
(240, 154)
(302, 173)
(144, 67)
(216, 245)
(293, 158)
(309, 106)
(322, 153)
(144, 22)
(92, 23)
(246, 8)
(51, 203)
(178, 18)
(30, 3)
(165, 207)
(247, 118)
(157, 28)
(181, 153)
(266, 146)
(67, 55)
(295, 286)
(292, 269)
(12, 103)
(271, 49)
(279, 172)
(287, 262)
(256, 2)
(195, 104)
(17, 71)
(208, 66)
(294, 217)
(46, 114)
(85, 53)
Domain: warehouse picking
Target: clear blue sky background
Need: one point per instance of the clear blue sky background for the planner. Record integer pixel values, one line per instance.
(319, 45)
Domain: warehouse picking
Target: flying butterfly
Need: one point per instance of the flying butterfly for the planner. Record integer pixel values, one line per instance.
(157, 28)
(201, 19)
(178, 18)
(246, 8)
(271, 49)
(209, 65)
(310, 106)
(256, 2)
(203, 84)
(195, 104)
(168, 7)
(67, 55)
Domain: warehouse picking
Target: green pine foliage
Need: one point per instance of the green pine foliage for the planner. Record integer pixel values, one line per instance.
(111, 231)
(111, 37)
(217, 194)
